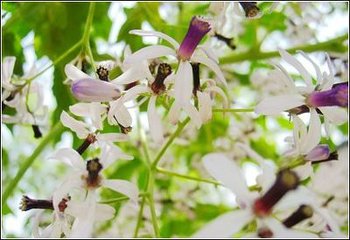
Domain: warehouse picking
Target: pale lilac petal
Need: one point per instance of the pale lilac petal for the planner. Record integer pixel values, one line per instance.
(80, 128)
(154, 121)
(277, 104)
(127, 188)
(144, 33)
(113, 137)
(119, 114)
(70, 157)
(313, 136)
(227, 172)
(212, 65)
(225, 225)
(193, 113)
(204, 106)
(149, 52)
(134, 92)
(335, 114)
(104, 212)
(74, 73)
(7, 69)
(298, 66)
(183, 85)
(91, 90)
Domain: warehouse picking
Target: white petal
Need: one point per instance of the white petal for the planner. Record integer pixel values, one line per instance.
(134, 73)
(288, 81)
(149, 52)
(70, 157)
(227, 172)
(172, 41)
(74, 73)
(84, 109)
(225, 225)
(314, 133)
(298, 66)
(113, 137)
(193, 113)
(111, 153)
(183, 85)
(154, 121)
(219, 91)
(304, 171)
(205, 106)
(119, 114)
(104, 212)
(80, 128)
(174, 113)
(7, 69)
(277, 104)
(299, 132)
(134, 92)
(125, 187)
(335, 114)
(209, 52)
(317, 68)
(212, 65)
(295, 198)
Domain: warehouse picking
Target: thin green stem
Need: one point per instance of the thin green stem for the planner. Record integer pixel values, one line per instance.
(334, 44)
(164, 171)
(86, 48)
(55, 131)
(160, 154)
(113, 200)
(87, 29)
(58, 60)
(151, 203)
(234, 110)
(139, 217)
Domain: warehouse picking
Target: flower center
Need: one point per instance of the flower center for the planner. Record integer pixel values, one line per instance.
(250, 9)
(102, 73)
(163, 71)
(93, 178)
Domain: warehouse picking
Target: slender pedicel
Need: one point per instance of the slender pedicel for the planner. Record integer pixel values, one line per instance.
(286, 180)
(91, 138)
(303, 212)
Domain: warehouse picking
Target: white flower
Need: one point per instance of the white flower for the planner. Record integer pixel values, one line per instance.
(86, 177)
(324, 96)
(26, 97)
(252, 207)
(186, 53)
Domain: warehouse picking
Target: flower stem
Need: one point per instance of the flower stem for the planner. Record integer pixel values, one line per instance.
(86, 36)
(151, 202)
(160, 154)
(334, 44)
(55, 131)
(58, 60)
(139, 218)
(164, 171)
(234, 110)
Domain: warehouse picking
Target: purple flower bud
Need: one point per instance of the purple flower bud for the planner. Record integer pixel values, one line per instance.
(197, 30)
(337, 96)
(320, 152)
(89, 90)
